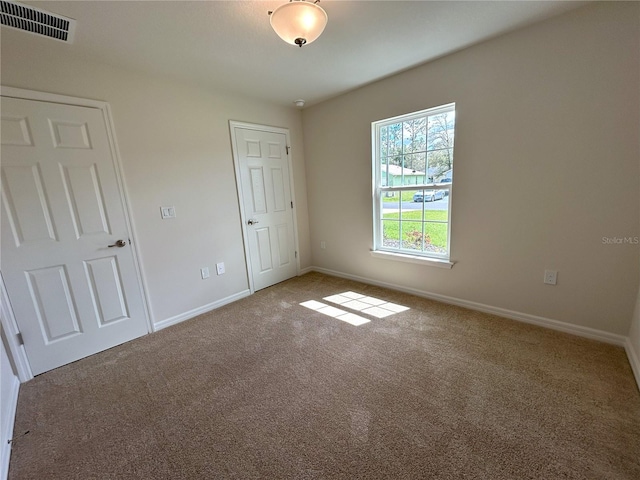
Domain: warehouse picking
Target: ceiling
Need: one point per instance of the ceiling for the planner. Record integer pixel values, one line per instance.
(230, 46)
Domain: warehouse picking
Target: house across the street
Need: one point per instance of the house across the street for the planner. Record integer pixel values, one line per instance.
(396, 175)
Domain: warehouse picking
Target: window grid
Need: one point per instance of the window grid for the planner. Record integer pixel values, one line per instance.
(396, 143)
(422, 246)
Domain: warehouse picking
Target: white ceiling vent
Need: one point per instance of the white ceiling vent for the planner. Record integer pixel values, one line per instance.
(37, 21)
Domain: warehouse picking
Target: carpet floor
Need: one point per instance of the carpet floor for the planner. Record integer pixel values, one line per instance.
(267, 388)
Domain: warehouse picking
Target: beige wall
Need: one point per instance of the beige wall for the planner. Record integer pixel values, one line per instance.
(546, 165)
(175, 146)
(634, 331)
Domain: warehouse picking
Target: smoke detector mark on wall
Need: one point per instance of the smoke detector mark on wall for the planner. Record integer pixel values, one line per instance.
(37, 21)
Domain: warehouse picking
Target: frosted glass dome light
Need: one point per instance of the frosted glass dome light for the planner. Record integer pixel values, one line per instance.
(298, 22)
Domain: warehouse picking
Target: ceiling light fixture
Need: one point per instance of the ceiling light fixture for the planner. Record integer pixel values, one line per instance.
(299, 22)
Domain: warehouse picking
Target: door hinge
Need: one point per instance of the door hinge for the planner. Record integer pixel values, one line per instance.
(287, 147)
(19, 338)
(296, 254)
(291, 204)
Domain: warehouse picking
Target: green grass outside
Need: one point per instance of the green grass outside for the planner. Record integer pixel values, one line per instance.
(407, 196)
(435, 233)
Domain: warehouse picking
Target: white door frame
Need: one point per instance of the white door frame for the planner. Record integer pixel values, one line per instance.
(9, 325)
(243, 217)
(15, 349)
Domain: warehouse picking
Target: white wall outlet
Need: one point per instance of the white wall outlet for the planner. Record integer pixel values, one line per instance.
(168, 212)
(323, 244)
(220, 268)
(204, 272)
(551, 277)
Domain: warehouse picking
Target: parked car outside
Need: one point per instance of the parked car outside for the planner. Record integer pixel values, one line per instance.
(428, 196)
(446, 180)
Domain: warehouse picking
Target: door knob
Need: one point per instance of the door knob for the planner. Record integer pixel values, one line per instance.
(119, 243)
(252, 222)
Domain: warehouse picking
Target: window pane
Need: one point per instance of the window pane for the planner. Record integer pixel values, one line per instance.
(411, 206)
(415, 135)
(447, 178)
(436, 215)
(412, 235)
(414, 173)
(421, 134)
(384, 172)
(435, 238)
(383, 142)
(430, 195)
(440, 164)
(440, 131)
(390, 203)
(407, 133)
(395, 142)
(390, 233)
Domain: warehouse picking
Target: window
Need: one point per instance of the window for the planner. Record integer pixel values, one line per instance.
(412, 179)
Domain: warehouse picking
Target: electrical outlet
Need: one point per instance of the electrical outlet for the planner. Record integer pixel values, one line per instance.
(323, 245)
(204, 272)
(551, 277)
(220, 268)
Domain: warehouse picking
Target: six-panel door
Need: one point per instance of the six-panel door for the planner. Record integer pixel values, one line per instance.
(266, 195)
(71, 293)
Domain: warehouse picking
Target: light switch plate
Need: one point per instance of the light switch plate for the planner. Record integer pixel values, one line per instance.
(168, 212)
(220, 268)
(204, 272)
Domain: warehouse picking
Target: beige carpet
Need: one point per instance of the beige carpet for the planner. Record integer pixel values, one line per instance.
(265, 388)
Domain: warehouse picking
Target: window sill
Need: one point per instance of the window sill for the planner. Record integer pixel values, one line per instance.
(401, 257)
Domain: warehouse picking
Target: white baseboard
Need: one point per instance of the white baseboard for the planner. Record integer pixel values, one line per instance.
(304, 271)
(634, 359)
(578, 330)
(7, 427)
(199, 311)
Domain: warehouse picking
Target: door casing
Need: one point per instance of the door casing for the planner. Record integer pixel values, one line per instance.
(243, 217)
(9, 325)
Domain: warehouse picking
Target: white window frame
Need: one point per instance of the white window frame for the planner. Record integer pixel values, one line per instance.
(379, 251)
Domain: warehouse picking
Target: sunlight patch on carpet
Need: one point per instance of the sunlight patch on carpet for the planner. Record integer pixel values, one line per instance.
(369, 305)
(355, 301)
(334, 312)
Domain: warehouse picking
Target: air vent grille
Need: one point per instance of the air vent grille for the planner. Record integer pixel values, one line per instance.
(36, 21)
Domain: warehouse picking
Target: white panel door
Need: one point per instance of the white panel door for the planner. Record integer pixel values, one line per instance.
(266, 195)
(72, 293)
